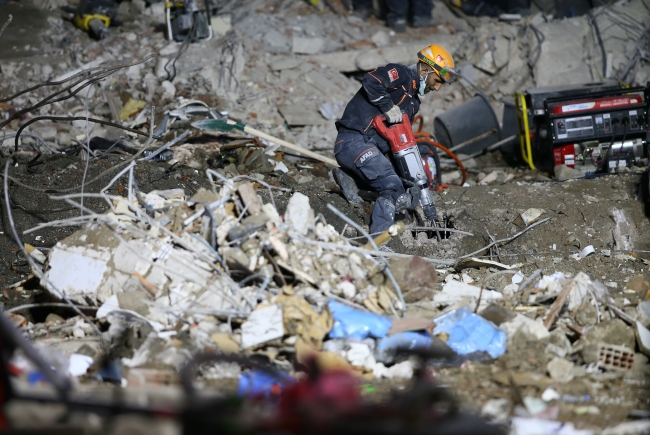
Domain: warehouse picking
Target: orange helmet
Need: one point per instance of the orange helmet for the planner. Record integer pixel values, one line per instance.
(438, 58)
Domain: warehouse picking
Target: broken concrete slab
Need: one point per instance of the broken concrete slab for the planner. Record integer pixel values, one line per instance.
(300, 114)
(643, 338)
(307, 45)
(299, 215)
(560, 369)
(563, 172)
(533, 329)
(381, 38)
(279, 63)
(264, 324)
(416, 277)
(454, 291)
(563, 46)
(366, 60)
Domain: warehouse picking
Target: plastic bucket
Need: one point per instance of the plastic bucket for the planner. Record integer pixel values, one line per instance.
(465, 122)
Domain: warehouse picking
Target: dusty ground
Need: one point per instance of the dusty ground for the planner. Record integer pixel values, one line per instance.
(582, 213)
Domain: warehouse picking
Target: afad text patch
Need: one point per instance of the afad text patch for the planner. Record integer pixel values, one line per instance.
(365, 155)
(393, 75)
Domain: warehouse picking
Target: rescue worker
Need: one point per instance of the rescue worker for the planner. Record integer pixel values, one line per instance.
(362, 153)
(362, 8)
(398, 12)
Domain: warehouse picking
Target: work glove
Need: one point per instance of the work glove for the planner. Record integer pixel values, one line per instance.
(406, 201)
(394, 115)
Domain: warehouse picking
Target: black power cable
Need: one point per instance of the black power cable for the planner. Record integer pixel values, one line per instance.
(171, 74)
(600, 42)
(601, 164)
(536, 52)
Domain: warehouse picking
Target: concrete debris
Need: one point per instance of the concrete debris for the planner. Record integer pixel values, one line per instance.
(532, 215)
(629, 428)
(453, 291)
(299, 216)
(643, 338)
(307, 45)
(563, 172)
(643, 313)
(497, 411)
(533, 330)
(264, 324)
(560, 370)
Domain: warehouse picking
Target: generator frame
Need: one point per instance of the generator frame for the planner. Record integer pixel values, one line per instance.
(535, 122)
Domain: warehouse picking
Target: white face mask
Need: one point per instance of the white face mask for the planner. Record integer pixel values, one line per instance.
(423, 84)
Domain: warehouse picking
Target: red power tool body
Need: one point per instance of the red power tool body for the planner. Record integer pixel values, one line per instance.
(408, 160)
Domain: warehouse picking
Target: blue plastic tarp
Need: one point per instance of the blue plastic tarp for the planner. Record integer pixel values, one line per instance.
(355, 324)
(470, 333)
(257, 383)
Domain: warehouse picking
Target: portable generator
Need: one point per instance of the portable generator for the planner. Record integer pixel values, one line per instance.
(595, 127)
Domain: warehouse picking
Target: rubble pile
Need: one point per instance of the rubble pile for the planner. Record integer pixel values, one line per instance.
(168, 277)
(293, 78)
(230, 271)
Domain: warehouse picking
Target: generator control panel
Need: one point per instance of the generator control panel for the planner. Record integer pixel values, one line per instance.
(591, 119)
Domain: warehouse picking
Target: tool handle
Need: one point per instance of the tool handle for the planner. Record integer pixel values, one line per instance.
(291, 146)
(379, 122)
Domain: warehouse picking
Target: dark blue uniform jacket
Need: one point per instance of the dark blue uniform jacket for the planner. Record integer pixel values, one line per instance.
(381, 88)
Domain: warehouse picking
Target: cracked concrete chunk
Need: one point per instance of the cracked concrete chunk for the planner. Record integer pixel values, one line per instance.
(381, 38)
(299, 215)
(560, 369)
(264, 324)
(307, 45)
(300, 114)
(532, 329)
(563, 172)
(77, 274)
(415, 276)
(624, 232)
(563, 47)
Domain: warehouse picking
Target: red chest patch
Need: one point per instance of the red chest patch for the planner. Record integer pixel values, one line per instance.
(414, 85)
(393, 75)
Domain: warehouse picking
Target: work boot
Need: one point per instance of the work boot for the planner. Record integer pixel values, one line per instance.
(362, 13)
(398, 25)
(347, 185)
(425, 22)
